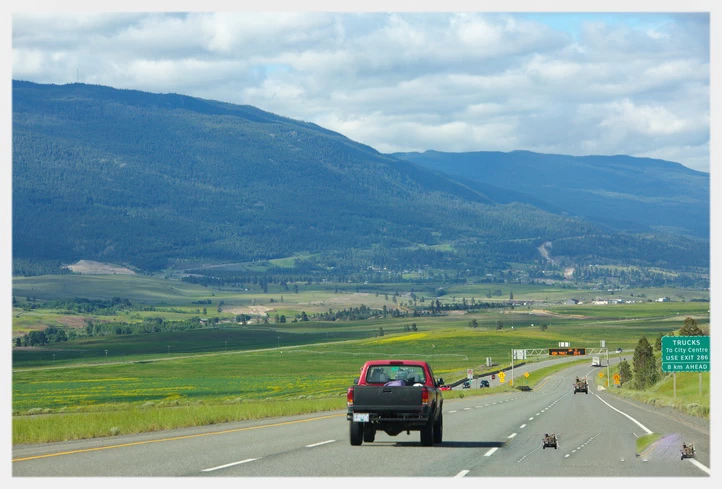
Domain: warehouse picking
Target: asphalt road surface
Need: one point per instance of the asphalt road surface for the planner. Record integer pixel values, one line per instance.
(486, 436)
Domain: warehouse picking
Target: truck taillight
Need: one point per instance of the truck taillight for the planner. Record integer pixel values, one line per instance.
(349, 397)
(424, 396)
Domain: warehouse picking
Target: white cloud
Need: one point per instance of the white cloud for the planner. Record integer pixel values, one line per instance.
(409, 81)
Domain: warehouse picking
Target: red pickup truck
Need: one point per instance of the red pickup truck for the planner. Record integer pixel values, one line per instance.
(395, 396)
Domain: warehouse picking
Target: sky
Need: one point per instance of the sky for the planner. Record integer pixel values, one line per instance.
(575, 83)
(594, 77)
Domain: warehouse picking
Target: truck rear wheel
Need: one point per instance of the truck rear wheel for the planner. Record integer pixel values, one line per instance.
(356, 433)
(427, 434)
(439, 429)
(369, 432)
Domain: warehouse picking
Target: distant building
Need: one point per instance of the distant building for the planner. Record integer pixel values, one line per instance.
(571, 302)
(663, 299)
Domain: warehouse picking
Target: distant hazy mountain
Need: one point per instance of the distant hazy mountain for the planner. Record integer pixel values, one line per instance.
(626, 193)
(152, 179)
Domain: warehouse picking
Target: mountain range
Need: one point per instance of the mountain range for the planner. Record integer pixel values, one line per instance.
(159, 180)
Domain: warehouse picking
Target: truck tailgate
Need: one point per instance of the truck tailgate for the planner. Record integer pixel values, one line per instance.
(377, 398)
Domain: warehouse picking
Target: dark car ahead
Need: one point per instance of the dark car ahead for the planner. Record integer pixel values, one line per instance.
(483, 383)
(467, 385)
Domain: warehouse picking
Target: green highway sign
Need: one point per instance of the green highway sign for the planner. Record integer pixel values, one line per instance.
(685, 353)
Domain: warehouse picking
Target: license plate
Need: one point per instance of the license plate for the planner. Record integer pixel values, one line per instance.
(361, 417)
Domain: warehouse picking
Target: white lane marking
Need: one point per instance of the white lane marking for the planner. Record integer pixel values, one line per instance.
(512, 435)
(462, 473)
(579, 448)
(531, 418)
(522, 426)
(491, 452)
(485, 405)
(467, 409)
(565, 456)
(625, 414)
(230, 465)
(452, 411)
(525, 456)
(477, 406)
(699, 466)
(538, 414)
(635, 435)
(320, 443)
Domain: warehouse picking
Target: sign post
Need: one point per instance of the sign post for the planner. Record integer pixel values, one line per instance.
(470, 373)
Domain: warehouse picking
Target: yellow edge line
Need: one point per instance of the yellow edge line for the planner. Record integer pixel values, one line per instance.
(547, 380)
(174, 438)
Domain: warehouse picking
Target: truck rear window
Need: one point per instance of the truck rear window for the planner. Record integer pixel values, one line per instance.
(380, 374)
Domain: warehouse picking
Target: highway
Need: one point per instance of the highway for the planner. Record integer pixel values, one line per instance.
(484, 436)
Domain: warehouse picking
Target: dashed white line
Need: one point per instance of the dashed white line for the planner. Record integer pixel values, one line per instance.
(452, 411)
(491, 452)
(512, 435)
(567, 455)
(320, 443)
(462, 473)
(538, 414)
(467, 409)
(230, 465)
(522, 426)
(531, 418)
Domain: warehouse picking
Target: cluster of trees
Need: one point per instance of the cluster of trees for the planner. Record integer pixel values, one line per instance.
(647, 369)
(51, 334)
(353, 314)
(79, 305)
(147, 326)
(436, 307)
(23, 267)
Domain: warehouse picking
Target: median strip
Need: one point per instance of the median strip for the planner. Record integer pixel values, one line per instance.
(131, 444)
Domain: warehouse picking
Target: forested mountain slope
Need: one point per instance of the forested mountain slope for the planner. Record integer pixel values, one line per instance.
(151, 179)
(626, 193)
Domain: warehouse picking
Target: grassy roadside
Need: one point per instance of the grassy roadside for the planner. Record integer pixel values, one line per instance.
(643, 442)
(688, 399)
(132, 419)
(77, 426)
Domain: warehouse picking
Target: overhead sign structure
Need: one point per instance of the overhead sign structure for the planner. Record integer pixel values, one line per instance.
(567, 351)
(563, 344)
(685, 353)
(519, 354)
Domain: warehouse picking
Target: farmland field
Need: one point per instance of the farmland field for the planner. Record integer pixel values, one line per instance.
(233, 364)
